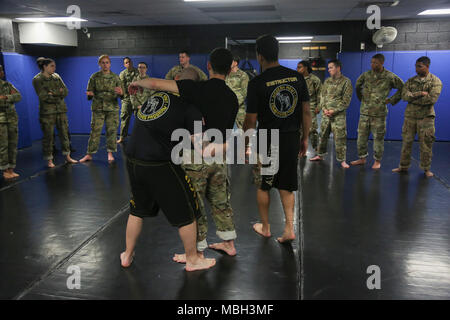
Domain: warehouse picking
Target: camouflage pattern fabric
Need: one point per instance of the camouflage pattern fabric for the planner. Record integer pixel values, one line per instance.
(111, 120)
(139, 98)
(314, 87)
(376, 125)
(177, 69)
(51, 92)
(238, 82)
(48, 123)
(126, 76)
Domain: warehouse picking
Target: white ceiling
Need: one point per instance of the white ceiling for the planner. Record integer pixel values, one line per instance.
(177, 12)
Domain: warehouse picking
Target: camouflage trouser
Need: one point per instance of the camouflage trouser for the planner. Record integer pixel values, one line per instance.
(8, 143)
(211, 181)
(376, 125)
(338, 126)
(111, 119)
(48, 123)
(313, 134)
(240, 117)
(425, 130)
(125, 116)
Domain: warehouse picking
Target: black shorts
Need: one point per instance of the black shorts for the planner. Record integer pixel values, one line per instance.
(165, 186)
(286, 178)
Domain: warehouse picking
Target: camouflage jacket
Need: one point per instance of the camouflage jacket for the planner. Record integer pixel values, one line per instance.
(51, 92)
(420, 107)
(139, 98)
(314, 87)
(336, 94)
(238, 82)
(373, 88)
(177, 69)
(7, 108)
(127, 76)
(105, 99)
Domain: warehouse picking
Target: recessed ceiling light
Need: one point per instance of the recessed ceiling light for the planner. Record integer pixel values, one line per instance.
(434, 11)
(294, 38)
(51, 19)
(294, 41)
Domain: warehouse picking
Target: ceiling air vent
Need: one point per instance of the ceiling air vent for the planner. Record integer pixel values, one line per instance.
(238, 9)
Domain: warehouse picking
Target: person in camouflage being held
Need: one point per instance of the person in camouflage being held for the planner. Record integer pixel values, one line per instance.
(184, 58)
(372, 89)
(314, 86)
(8, 127)
(421, 92)
(104, 87)
(126, 76)
(138, 99)
(51, 91)
(237, 80)
(335, 98)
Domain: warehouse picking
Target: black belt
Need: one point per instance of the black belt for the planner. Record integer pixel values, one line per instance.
(3, 109)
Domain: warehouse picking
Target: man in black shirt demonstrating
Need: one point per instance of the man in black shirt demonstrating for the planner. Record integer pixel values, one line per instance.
(278, 98)
(149, 163)
(219, 106)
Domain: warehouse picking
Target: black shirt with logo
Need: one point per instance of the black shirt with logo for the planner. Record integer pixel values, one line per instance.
(216, 101)
(162, 114)
(276, 95)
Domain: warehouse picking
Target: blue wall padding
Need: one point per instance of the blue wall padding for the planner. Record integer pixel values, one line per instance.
(75, 71)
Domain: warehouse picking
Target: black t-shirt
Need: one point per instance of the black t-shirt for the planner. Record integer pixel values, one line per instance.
(155, 121)
(276, 95)
(216, 101)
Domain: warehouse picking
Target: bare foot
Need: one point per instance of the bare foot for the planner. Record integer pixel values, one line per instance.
(344, 165)
(70, 160)
(110, 157)
(200, 264)
(316, 158)
(87, 157)
(50, 164)
(14, 174)
(399, 170)
(181, 258)
(7, 175)
(358, 162)
(226, 246)
(126, 260)
(258, 227)
(287, 237)
(376, 165)
(429, 174)
(119, 141)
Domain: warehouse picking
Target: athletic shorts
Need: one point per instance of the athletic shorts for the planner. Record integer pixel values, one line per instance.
(165, 186)
(286, 178)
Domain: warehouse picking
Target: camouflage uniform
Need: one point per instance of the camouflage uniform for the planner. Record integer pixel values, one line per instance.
(238, 82)
(177, 69)
(52, 112)
(139, 98)
(211, 181)
(126, 76)
(372, 89)
(8, 125)
(314, 86)
(105, 109)
(419, 118)
(336, 95)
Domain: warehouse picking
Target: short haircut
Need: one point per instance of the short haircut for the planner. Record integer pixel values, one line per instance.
(103, 56)
(221, 60)
(306, 64)
(379, 57)
(1, 67)
(236, 58)
(143, 63)
(41, 62)
(336, 63)
(186, 52)
(267, 46)
(425, 60)
(188, 73)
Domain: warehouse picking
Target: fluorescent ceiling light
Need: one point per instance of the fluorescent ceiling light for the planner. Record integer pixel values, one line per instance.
(435, 11)
(51, 19)
(295, 41)
(294, 38)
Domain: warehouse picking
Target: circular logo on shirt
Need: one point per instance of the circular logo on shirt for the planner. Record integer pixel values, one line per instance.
(283, 101)
(154, 107)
